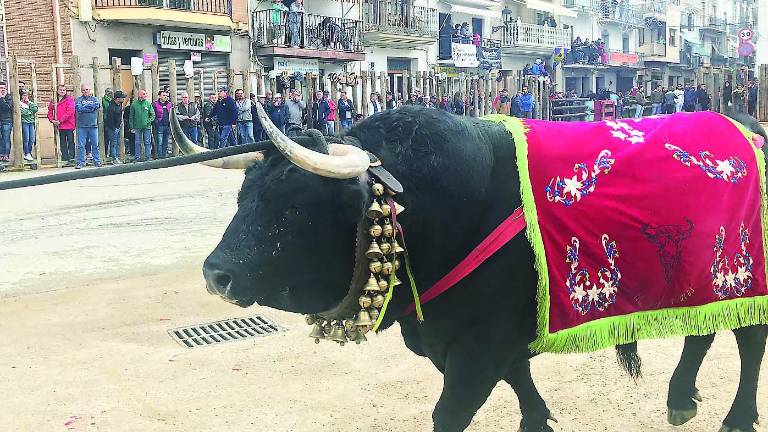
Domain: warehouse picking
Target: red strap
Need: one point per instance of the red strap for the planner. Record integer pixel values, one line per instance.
(498, 238)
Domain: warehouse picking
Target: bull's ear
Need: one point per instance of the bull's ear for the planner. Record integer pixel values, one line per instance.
(351, 200)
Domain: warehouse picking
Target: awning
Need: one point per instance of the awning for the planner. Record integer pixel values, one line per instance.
(552, 8)
(474, 11)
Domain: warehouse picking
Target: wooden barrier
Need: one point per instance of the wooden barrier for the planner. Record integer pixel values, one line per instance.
(762, 94)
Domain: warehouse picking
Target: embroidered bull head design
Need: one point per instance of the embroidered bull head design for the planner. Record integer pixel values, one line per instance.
(668, 239)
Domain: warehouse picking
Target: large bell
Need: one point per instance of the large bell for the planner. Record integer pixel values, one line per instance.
(378, 189)
(371, 285)
(385, 248)
(363, 318)
(389, 230)
(378, 301)
(386, 209)
(374, 211)
(373, 252)
(317, 333)
(396, 248)
(374, 266)
(375, 230)
(365, 301)
(337, 334)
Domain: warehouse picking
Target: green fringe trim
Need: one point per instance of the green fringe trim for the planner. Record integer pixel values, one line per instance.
(611, 331)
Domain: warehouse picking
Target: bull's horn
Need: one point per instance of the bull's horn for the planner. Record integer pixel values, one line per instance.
(343, 162)
(241, 161)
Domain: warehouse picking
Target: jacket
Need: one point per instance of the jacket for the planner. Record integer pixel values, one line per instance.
(320, 111)
(502, 104)
(189, 116)
(679, 96)
(526, 102)
(113, 115)
(689, 97)
(86, 109)
(65, 113)
(657, 97)
(141, 115)
(6, 109)
(28, 113)
(105, 102)
(373, 109)
(225, 112)
(244, 111)
(279, 116)
(346, 109)
(295, 111)
(332, 107)
(160, 109)
(209, 120)
(703, 97)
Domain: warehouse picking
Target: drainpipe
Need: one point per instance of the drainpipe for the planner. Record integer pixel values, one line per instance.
(57, 39)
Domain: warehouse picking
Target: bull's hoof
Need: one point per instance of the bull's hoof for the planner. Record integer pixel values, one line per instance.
(678, 417)
(539, 427)
(725, 428)
(545, 428)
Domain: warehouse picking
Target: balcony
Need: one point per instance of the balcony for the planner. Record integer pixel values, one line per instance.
(607, 11)
(657, 8)
(201, 14)
(316, 37)
(715, 25)
(399, 24)
(523, 38)
(653, 49)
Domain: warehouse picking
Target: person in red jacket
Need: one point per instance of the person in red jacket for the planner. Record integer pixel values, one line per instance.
(64, 121)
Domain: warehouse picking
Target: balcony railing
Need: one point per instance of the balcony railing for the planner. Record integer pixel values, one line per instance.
(716, 23)
(219, 7)
(532, 35)
(653, 49)
(274, 28)
(607, 10)
(653, 8)
(399, 17)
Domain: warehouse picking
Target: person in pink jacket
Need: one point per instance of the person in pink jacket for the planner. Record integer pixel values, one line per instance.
(64, 120)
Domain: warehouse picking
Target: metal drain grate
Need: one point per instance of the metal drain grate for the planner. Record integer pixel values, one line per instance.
(224, 331)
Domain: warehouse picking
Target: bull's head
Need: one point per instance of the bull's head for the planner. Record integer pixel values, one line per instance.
(290, 245)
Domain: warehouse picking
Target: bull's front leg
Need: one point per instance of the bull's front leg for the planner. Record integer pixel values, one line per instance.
(532, 406)
(473, 367)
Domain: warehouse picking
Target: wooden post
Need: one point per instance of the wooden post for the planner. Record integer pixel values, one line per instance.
(762, 94)
(334, 94)
(97, 90)
(54, 104)
(154, 71)
(384, 87)
(17, 150)
(231, 81)
(76, 80)
(246, 83)
(366, 91)
(117, 84)
(172, 84)
(355, 94)
(38, 153)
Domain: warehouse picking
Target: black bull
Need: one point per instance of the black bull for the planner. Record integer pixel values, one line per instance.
(290, 247)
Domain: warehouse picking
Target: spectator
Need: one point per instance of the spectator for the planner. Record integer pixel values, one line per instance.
(295, 107)
(752, 98)
(657, 100)
(412, 100)
(502, 103)
(279, 113)
(536, 69)
(162, 107)
(679, 98)
(432, 101)
(689, 99)
(64, 120)
(374, 106)
(28, 115)
(669, 101)
(22, 86)
(390, 103)
(346, 111)
(738, 99)
(445, 104)
(358, 118)
(140, 118)
(295, 18)
(331, 120)
(105, 101)
(703, 97)
(6, 122)
(514, 106)
(458, 104)
(87, 107)
(640, 99)
(727, 94)
(199, 106)
(113, 120)
(188, 116)
(258, 129)
(244, 118)
(476, 39)
(209, 122)
(320, 112)
(526, 103)
(225, 111)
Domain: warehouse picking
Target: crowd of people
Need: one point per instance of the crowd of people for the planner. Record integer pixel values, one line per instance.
(586, 52)
(28, 110)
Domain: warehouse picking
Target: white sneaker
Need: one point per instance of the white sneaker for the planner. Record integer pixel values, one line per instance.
(28, 157)
(116, 161)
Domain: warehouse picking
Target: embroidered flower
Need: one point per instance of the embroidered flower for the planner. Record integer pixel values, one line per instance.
(725, 282)
(730, 170)
(570, 190)
(584, 293)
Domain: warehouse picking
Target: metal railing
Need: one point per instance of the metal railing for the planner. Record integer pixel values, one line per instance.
(219, 7)
(656, 7)
(607, 10)
(394, 16)
(280, 28)
(716, 23)
(516, 34)
(658, 49)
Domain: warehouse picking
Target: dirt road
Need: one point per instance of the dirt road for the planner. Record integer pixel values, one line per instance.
(93, 274)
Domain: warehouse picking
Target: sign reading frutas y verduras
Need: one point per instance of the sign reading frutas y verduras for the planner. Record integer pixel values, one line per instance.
(464, 55)
(193, 41)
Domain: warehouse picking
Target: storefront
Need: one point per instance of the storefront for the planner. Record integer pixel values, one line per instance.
(208, 53)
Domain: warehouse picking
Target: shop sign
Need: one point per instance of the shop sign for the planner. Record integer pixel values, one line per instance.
(149, 58)
(193, 41)
(464, 55)
(620, 58)
(293, 65)
(449, 71)
(490, 58)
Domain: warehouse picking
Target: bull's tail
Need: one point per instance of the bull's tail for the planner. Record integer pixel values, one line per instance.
(627, 357)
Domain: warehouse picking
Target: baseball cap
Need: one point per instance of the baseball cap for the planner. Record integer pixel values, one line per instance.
(197, 94)
(119, 94)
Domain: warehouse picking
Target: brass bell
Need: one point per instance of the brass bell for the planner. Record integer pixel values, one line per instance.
(378, 189)
(396, 264)
(389, 231)
(385, 248)
(349, 325)
(337, 334)
(397, 281)
(375, 230)
(399, 209)
(310, 319)
(371, 285)
(383, 285)
(395, 248)
(374, 266)
(378, 301)
(364, 329)
(360, 338)
(373, 252)
(317, 333)
(363, 319)
(364, 301)
(327, 328)
(374, 314)
(386, 210)
(352, 334)
(386, 268)
(374, 211)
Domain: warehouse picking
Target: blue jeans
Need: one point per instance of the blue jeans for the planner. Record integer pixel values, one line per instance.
(28, 137)
(114, 142)
(145, 136)
(227, 136)
(86, 135)
(656, 109)
(213, 137)
(161, 139)
(245, 132)
(346, 124)
(5, 138)
(191, 133)
(330, 127)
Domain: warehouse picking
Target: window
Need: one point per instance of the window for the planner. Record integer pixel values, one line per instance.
(641, 37)
(672, 37)
(625, 44)
(690, 21)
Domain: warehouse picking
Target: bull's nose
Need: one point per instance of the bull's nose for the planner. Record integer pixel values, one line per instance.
(218, 281)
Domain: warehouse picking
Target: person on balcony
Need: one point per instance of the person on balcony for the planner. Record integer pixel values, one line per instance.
(295, 19)
(277, 26)
(466, 33)
(477, 40)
